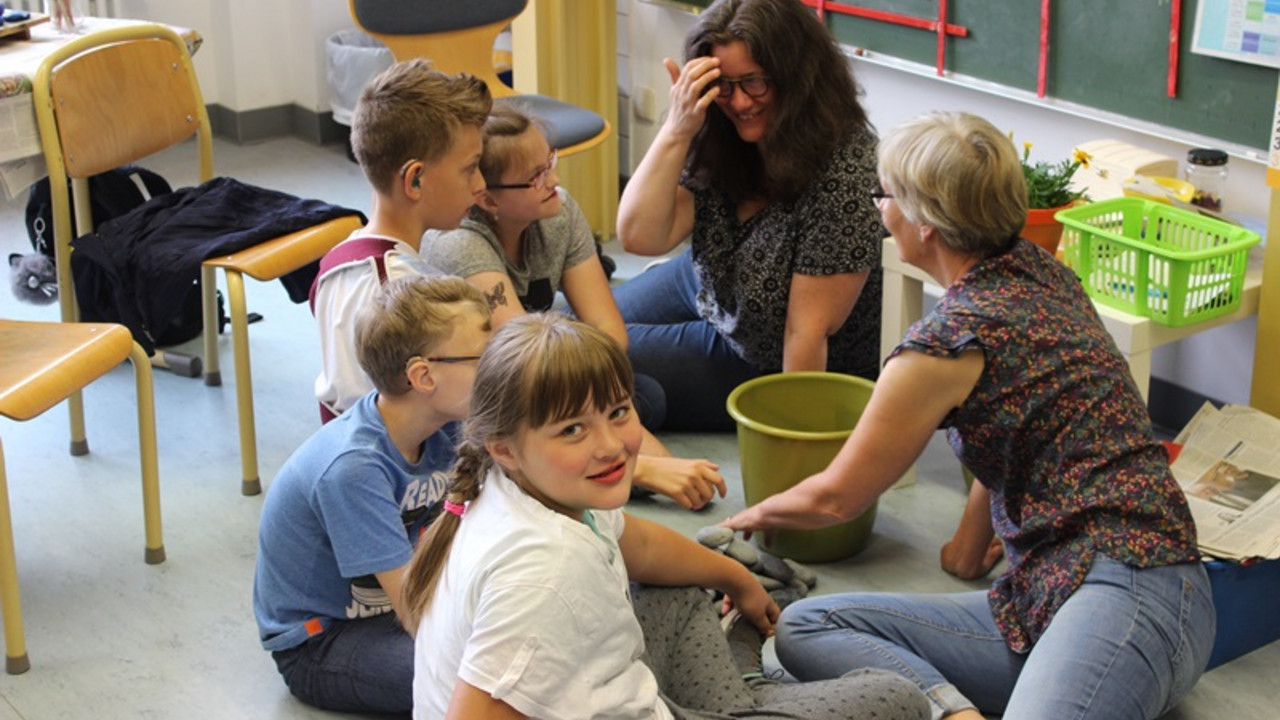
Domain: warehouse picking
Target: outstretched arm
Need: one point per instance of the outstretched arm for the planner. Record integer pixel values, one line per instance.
(655, 213)
(912, 396)
(657, 555)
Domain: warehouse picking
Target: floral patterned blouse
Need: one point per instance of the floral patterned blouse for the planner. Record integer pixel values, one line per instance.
(1056, 430)
(745, 269)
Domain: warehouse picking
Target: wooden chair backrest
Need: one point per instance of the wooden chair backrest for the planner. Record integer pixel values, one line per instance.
(117, 103)
(104, 100)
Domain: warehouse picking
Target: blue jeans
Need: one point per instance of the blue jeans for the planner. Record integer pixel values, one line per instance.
(363, 666)
(1128, 644)
(695, 368)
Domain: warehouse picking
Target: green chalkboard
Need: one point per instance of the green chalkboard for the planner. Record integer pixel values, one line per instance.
(1108, 54)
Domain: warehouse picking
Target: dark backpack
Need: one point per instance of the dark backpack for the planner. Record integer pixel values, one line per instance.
(113, 193)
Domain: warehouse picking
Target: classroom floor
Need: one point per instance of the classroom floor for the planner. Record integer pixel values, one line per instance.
(111, 637)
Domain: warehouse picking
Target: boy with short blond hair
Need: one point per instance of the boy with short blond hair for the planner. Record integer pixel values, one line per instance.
(342, 516)
(416, 133)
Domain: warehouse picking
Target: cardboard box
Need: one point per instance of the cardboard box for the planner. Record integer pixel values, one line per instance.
(1245, 600)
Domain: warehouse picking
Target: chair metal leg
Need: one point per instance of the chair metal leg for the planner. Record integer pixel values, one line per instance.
(209, 308)
(75, 409)
(251, 484)
(16, 661)
(154, 553)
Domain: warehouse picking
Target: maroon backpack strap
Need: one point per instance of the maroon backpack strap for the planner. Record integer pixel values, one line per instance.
(351, 251)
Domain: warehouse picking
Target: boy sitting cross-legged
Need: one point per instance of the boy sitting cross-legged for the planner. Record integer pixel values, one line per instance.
(341, 518)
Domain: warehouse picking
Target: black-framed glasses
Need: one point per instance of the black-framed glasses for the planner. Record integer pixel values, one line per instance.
(754, 86)
(877, 194)
(538, 181)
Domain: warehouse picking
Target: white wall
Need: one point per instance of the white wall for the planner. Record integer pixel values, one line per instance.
(256, 54)
(1216, 363)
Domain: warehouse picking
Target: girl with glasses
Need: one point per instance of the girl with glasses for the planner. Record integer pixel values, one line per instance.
(764, 161)
(524, 241)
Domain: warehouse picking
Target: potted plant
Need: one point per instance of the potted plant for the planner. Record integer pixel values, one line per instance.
(1048, 191)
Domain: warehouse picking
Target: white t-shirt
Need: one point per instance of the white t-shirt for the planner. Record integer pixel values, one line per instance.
(340, 296)
(534, 608)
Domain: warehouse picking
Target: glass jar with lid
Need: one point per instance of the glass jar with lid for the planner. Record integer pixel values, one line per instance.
(1206, 169)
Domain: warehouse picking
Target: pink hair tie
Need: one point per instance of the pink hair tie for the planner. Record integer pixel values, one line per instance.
(455, 508)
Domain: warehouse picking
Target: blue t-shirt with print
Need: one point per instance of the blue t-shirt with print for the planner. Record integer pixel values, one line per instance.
(345, 505)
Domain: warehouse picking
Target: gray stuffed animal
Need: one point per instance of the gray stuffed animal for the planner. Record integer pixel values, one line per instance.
(33, 278)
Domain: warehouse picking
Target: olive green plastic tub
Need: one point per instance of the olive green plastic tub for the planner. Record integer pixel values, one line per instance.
(790, 426)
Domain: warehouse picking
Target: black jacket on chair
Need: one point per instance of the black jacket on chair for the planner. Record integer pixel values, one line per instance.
(147, 262)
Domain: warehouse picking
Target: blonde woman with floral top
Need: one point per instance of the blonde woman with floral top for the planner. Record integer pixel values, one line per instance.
(1104, 610)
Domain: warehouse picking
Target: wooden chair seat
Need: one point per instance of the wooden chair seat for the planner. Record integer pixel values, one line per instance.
(43, 364)
(46, 362)
(276, 258)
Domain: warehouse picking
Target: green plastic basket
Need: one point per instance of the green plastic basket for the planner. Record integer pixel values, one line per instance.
(1151, 259)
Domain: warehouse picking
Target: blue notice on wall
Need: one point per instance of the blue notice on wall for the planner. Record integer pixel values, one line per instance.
(1244, 30)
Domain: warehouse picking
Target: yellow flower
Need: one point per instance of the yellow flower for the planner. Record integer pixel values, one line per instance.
(1081, 157)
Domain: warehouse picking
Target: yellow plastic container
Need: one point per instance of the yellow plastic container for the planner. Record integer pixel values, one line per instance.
(1159, 189)
(790, 426)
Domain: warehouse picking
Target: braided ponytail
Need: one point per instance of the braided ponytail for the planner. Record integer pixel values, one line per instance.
(433, 550)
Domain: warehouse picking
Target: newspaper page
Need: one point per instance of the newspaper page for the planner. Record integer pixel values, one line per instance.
(1229, 469)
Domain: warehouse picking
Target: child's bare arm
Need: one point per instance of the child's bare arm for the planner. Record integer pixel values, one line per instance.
(657, 555)
(500, 294)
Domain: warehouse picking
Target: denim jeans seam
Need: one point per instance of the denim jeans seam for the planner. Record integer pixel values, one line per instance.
(1184, 622)
(1128, 638)
(891, 658)
(921, 621)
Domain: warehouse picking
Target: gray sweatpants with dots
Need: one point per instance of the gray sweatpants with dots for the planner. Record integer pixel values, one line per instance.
(699, 679)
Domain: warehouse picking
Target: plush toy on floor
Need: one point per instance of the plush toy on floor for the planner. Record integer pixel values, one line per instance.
(33, 278)
(784, 579)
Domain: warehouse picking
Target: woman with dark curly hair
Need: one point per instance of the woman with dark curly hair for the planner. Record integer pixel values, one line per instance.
(766, 159)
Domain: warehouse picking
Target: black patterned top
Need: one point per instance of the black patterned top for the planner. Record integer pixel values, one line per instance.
(745, 269)
(1057, 431)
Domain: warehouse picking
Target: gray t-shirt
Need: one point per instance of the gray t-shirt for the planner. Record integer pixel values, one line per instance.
(550, 247)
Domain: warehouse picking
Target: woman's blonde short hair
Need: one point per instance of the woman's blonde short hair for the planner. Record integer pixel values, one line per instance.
(958, 174)
(410, 316)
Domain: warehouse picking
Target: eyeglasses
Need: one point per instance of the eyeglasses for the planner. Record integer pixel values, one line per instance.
(877, 194)
(446, 359)
(538, 181)
(754, 86)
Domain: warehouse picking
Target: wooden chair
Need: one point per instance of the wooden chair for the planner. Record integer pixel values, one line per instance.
(118, 95)
(458, 37)
(45, 363)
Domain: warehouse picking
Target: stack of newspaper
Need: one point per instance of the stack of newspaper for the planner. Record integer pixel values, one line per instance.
(1229, 469)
